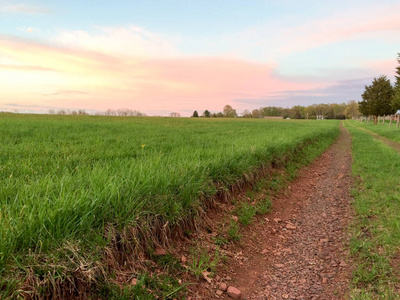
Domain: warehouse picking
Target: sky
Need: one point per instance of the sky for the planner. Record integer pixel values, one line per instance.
(164, 56)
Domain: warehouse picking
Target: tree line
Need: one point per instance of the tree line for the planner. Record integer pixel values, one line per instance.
(123, 112)
(381, 98)
(347, 110)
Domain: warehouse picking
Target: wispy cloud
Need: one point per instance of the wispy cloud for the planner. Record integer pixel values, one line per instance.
(340, 91)
(69, 93)
(275, 39)
(21, 8)
(25, 68)
(129, 40)
(147, 83)
(28, 29)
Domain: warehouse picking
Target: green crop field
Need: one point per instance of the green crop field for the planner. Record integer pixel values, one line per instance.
(65, 179)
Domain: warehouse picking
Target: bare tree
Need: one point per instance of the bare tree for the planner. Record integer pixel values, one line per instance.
(175, 115)
(246, 114)
(82, 112)
(110, 112)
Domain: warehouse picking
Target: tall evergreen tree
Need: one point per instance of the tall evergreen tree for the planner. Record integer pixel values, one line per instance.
(206, 114)
(195, 114)
(396, 93)
(377, 98)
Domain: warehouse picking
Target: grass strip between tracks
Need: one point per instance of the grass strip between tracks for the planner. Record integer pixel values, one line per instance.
(392, 132)
(376, 230)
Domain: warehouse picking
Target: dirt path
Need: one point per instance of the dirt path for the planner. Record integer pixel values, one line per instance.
(298, 252)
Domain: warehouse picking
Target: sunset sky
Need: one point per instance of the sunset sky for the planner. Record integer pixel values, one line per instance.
(163, 56)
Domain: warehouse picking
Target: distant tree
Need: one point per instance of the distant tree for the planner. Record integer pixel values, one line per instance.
(377, 98)
(219, 115)
(110, 112)
(52, 112)
(246, 114)
(339, 110)
(123, 112)
(195, 114)
(256, 113)
(229, 112)
(175, 115)
(61, 112)
(136, 113)
(272, 111)
(311, 111)
(396, 92)
(82, 112)
(297, 112)
(206, 114)
(352, 110)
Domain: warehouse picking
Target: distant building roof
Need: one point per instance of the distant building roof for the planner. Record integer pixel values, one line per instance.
(273, 117)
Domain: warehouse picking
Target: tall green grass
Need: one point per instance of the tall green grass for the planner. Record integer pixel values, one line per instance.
(64, 178)
(376, 232)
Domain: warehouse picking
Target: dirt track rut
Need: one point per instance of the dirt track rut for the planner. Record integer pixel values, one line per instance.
(299, 251)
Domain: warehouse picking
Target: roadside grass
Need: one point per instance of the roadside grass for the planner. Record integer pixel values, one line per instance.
(147, 287)
(376, 231)
(392, 132)
(201, 261)
(70, 185)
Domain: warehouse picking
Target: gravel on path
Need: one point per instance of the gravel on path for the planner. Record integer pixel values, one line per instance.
(299, 251)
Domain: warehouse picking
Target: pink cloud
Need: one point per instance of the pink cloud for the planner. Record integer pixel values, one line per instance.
(137, 82)
(384, 67)
(288, 38)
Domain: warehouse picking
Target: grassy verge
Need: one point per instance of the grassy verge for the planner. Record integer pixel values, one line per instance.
(392, 132)
(80, 193)
(376, 231)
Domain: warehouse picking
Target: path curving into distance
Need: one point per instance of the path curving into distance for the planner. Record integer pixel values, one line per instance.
(392, 144)
(300, 251)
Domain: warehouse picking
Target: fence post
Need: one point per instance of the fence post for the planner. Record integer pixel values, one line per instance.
(398, 119)
(390, 122)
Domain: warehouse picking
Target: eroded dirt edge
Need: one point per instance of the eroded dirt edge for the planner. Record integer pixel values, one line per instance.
(299, 250)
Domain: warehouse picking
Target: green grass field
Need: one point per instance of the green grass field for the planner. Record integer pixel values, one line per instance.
(65, 179)
(376, 231)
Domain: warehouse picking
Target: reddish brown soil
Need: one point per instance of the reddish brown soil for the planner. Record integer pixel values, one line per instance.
(299, 250)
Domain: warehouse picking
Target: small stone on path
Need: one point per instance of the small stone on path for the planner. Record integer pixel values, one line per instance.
(234, 293)
(290, 226)
(223, 286)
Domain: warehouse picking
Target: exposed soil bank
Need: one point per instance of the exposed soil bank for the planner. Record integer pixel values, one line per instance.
(298, 251)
